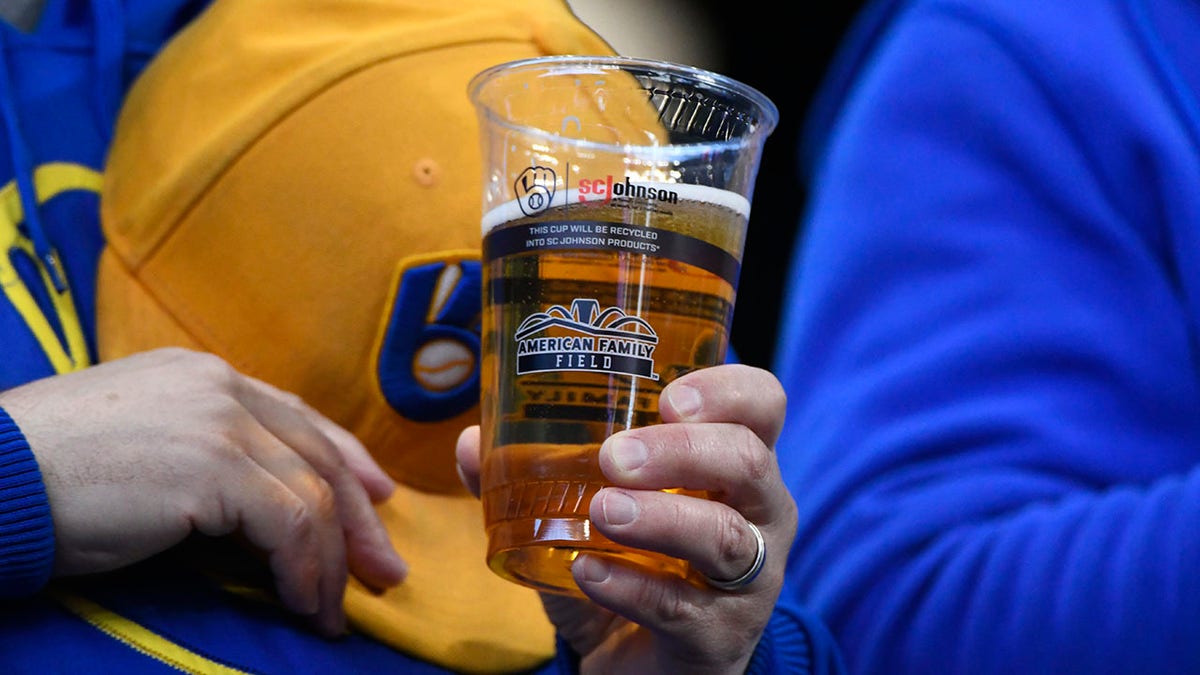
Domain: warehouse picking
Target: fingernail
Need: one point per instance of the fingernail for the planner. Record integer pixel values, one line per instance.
(392, 572)
(472, 486)
(619, 508)
(591, 569)
(399, 566)
(383, 567)
(629, 454)
(685, 400)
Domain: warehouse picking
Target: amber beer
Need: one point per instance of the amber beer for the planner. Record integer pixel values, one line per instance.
(590, 309)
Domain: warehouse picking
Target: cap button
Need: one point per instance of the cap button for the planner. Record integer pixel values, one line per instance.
(427, 172)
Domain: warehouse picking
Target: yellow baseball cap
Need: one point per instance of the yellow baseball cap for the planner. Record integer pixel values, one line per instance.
(295, 187)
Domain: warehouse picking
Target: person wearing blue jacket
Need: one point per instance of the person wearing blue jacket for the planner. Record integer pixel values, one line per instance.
(127, 488)
(991, 340)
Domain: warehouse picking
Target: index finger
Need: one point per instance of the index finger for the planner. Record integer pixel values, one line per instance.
(372, 557)
(378, 484)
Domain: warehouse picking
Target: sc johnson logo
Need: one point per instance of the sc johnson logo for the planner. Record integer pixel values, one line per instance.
(586, 339)
(536, 185)
(605, 189)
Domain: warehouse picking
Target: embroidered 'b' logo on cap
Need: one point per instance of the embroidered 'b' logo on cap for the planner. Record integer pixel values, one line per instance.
(428, 362)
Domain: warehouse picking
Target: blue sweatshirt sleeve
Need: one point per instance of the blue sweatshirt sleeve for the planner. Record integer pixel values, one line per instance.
(990, 351)
(795, 641)
(26, 530)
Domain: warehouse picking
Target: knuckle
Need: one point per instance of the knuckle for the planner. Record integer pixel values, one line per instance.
(764, 391)
(318, 498)
(324, 499)
(774, 398)
(297, 519)
(172, 353)
(690, 440)
(224, 450)
(668, 605)
(210, 366)
(755, 461)
(730, 540)
(210, 514)
(293, 400)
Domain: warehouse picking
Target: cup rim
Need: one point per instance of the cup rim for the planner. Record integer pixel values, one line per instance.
(766, 121)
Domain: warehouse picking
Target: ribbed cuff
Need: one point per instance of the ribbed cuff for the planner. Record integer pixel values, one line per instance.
(26, 529)
(795, 643)
(566, 661)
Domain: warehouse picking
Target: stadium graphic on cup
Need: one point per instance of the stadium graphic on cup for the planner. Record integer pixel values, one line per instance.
(608, 341)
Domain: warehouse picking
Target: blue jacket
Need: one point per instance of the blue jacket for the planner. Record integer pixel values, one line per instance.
(992, 338)
(60, 89)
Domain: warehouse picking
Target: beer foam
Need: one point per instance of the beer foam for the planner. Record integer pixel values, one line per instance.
(697, 193)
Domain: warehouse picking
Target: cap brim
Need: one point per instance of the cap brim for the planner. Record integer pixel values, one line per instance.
(451, 606)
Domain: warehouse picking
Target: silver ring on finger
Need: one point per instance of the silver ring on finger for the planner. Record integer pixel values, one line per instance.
(760, 557)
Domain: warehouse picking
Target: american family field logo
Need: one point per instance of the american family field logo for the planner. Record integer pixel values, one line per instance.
(536, 185)
(587, 339)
